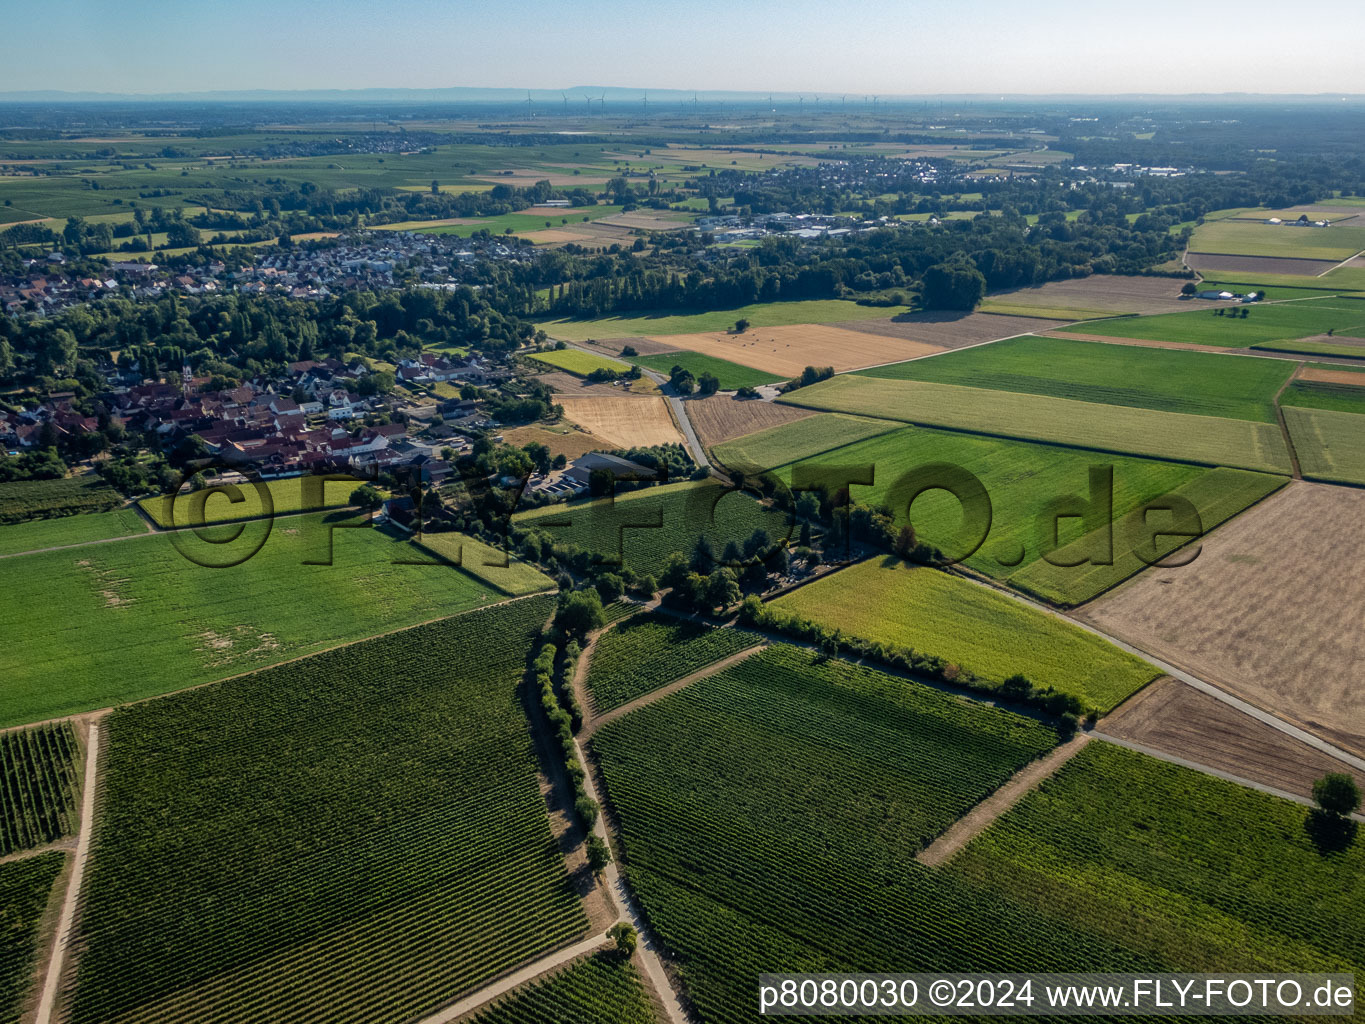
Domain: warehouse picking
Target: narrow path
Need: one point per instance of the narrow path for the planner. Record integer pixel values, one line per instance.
(67, 920)
(516, 979)
(980, 817)
(66, 844)
(78, 544)
(1343, 263)
(1284, 426)
(663, 691)
(1099, 734)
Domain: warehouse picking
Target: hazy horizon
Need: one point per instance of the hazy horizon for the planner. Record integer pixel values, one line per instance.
(977, 48)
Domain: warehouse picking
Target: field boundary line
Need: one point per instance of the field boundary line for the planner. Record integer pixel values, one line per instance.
(1343, 263)
(66, 844)
(1217, 773)
(66, 923)
(664, 691)
(508, 982)
(1284, 425)
(996, 804)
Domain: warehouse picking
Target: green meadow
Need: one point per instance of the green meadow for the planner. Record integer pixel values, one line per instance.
(760, 314)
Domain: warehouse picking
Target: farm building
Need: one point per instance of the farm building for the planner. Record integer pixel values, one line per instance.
(1214, 295)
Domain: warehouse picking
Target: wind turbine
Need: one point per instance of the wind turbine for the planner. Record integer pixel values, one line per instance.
(645, 102)
(589, 99)
(694, 103)
(800, 104)
(529, 111)
(566, 102)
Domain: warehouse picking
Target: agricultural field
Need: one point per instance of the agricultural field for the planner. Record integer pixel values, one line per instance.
(25, 888)
(622, 420)
(648, 651)
(525, 222)
(642, 528)
(941, 329)
(760, 314)
(1101, 294)
(560, 439)
(1308, 393)
(401, 816)
(226, 502)
(578, 362)
(1275, 322)
(1261, 613)
(37, 534)
(1144, 378)
(721, 418)
(971, 626)
(1330, 444)
(39, 784)
(1251, 238)
(22, 500)
(785, 351)
(1181, 868)
(486, 563)
(603, 989)
(136, 617)
(799, 440)
(731, 375)
(1208, 440)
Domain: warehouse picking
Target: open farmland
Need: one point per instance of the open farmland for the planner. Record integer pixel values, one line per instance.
(720, 418)
(578, 362)
(37, 534)
(944, 330)
(403, 814)
(1185, 870)
(136, 617)
(759, 314)
(1144, 378)
(48, 499)
(25, 888)
(1261, 612)
(785, 351)
(648, 651)
(731, 375)
(1179, 720)
(1325, 389)
(1275, 322)
(602, 989)
(228, 501)
(39, 780)
(491, 565)
(795, 441)
(1330, 444)
(643, 527)
(971, 626)
(1107, 293)
(1209, 440)
(1304, 269)
(561, 439)
(621, 420)
(1234, 237)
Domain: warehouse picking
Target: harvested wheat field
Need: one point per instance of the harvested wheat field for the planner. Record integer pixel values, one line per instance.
(1179, 720)
(949, 330)
(724, 418)
(1206, 262)
(1271, 610)
(554, 236)
(1351, 378)
(567, 441)
(788, 350)
(642, 346)
(623, 420)
(1108, 293)
(567, 383)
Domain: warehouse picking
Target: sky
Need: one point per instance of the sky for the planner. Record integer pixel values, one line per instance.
(917, 47)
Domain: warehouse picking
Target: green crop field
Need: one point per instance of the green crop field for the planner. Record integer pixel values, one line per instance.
(1315, 348)
(769, 812)
(221, 503)
(1330, 444)
(648, 651)
(37, 534)
(524, 223)
(971, 626)
(1312, 394)
(603, 989)
(578, 362)
(25, 887)
(760, 314)
(1216, 494)
(1275, 322)
(1007, 308)
(1183, 868)
(731, 375)
(1021, 480)
(1249, 238)
(801, 439)
(1145, 378)
(358, 834)
(23, 500)
(642, 528)
(39, 779)
(491, 565)
(136, 617)
(1209, 440)
(1241, 284)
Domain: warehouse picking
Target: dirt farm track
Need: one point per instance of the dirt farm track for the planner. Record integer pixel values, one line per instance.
(1269, 610)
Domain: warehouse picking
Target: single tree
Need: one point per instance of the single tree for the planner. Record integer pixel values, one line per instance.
(625, 938)
(1337, 793)
(599, 855)
(367, 497)
(741, 325)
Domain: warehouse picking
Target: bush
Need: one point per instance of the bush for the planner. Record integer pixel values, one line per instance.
(599, 854)
(587, 809)
(625, 938)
